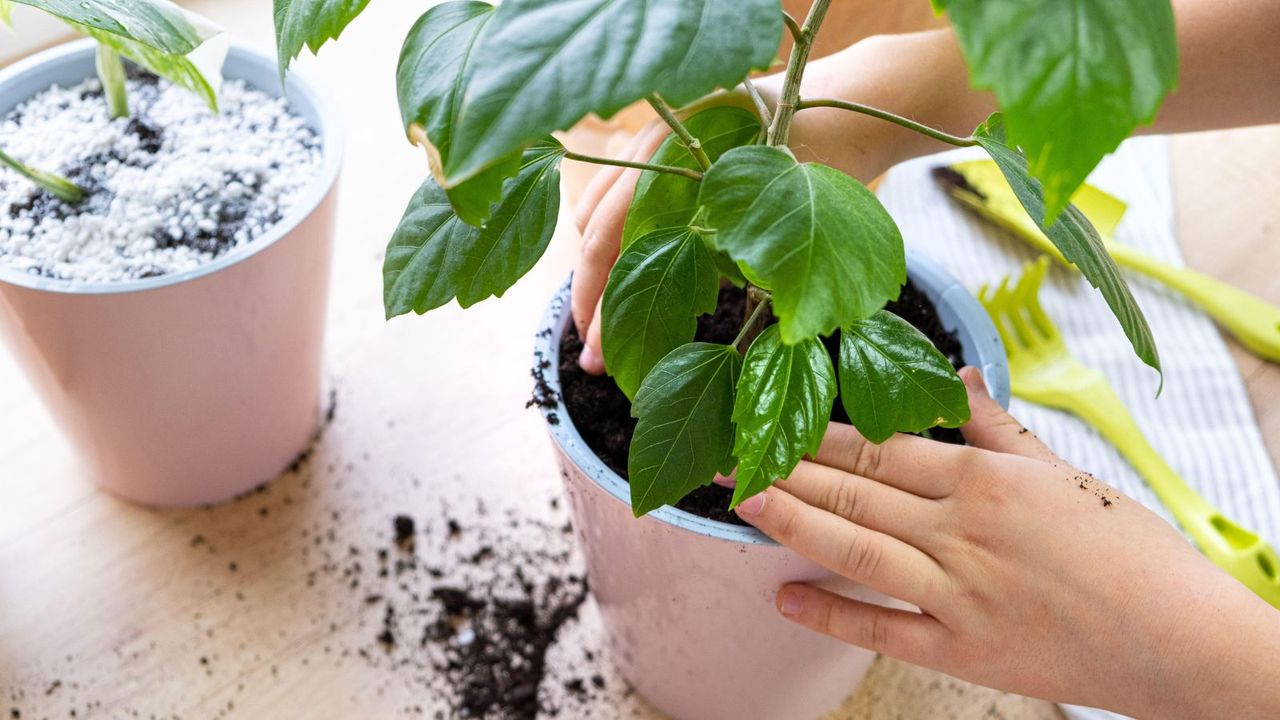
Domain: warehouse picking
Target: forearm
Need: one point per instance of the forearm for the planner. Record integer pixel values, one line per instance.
(1228, 65)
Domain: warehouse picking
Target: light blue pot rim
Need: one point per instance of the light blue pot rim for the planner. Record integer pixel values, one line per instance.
(957, 308)
(72, 62)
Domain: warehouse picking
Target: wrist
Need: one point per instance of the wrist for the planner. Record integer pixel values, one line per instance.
(1210, 671)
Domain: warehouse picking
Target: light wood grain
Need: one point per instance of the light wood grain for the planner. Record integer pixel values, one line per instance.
(117, 606)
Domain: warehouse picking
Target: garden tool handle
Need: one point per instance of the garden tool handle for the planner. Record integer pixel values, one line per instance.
(1239, 552)
(1252, 320)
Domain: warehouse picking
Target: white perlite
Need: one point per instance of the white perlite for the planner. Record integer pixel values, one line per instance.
(170, 187)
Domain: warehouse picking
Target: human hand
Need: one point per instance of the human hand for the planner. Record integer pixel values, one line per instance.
(1031, 575)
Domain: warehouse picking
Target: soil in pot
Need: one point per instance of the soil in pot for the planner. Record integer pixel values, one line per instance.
(169, 188)
(602, 413)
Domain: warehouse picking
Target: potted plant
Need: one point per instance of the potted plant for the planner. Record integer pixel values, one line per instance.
(163, 265)
(747, 306)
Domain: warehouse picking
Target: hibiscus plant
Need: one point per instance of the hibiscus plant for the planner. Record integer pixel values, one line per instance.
(154, 34)
(482, 88)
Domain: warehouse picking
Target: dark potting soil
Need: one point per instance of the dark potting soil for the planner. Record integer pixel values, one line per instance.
(602, 413)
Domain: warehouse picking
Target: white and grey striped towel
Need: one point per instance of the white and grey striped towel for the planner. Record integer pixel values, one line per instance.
(1202, 423)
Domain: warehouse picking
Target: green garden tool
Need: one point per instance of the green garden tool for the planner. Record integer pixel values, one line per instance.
(1043, 371)
(1253, 321)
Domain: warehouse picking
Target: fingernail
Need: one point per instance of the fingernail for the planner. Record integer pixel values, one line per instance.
(752, 505)
(588, 360)
(724, 481)
(790, 602)
(973, 379)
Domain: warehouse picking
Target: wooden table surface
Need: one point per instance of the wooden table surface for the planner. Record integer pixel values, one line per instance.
(109, 610)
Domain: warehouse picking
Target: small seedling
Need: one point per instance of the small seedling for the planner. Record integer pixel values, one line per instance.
(481, 89)
(154, 34)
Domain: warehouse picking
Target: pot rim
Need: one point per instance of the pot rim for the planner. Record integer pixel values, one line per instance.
(936, 283)
(297, 84)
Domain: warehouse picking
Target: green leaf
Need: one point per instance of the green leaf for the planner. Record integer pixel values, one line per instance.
(155, 34)
(782, 409)
(181, 70)
(1076, 237)
(816, 237)
(665, 200)
(434, 256)
(542, 65)
(310, 23)
(1073, 77)
(659, 286)
(892, 379)
(157, 24)
(684, 428)
(432, 73)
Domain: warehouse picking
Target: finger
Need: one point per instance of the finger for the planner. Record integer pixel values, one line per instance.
(600, 183)
(906, 635)
(863, 501)
(863, 555)
(990, 427)
(601, 241)
(919, 466)
(592, 358)
(602, 231)
(639, 148)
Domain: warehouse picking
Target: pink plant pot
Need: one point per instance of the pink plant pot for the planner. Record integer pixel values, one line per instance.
(190, 388)
(689, 602)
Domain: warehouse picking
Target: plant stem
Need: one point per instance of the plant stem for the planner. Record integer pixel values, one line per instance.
(60, 187)
(891, 117)
(766, 117)
(111, 73)
(792, 26)
(692, 143)
(691, 174)
(751, 328)
(795, 73)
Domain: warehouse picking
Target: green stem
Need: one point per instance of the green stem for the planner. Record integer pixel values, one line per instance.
(794, 27)
(111, 73)
(60, 187)
(781, 126)
(762, 109)
(692, 143)
(762, 300)
(691, 174)
(891, 117)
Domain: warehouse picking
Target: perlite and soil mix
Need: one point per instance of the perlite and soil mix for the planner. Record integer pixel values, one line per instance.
(169, 188)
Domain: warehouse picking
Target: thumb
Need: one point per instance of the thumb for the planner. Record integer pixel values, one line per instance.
(990, 427)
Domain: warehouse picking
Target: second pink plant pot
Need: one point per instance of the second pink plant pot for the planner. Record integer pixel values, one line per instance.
(189, 388)
(689, 602)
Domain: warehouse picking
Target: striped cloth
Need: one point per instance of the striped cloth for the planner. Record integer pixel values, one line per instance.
(1202, 423)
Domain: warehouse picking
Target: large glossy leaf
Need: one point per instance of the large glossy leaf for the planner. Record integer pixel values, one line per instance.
(659, 286)
(310, 23)
(782, 409)
(816, 237)
(541, 65)
(892, 379)
(665, 200)
(430, 79)
(155, 34)
(1073, 77)
(1073, 234)
(157, 24)
(434, 256)
(684, 428)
